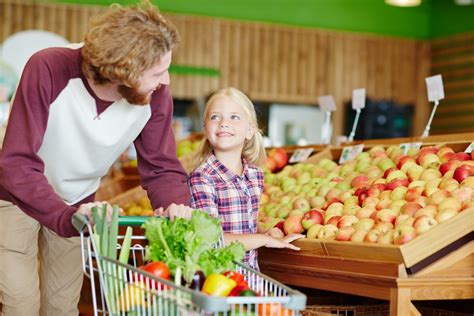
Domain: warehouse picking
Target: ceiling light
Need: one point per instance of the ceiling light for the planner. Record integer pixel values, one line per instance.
(464, 2)
(403, 3)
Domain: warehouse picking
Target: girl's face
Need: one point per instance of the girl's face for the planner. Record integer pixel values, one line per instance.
(227, 126)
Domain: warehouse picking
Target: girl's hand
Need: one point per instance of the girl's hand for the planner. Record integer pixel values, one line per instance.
(175, 211)
(283, 242)
(275, 232)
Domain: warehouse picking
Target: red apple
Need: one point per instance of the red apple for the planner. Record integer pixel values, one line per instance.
(372, 236)
(424, 223)
(292, 225)
(403, 160)
(333, 220)
(347, 220)
(345, 233)
(410, 208)
(413, 193)
(448, 166)
(462, 172)
(397, 182)
(312, 217)
(430, 161)
(385, 215)
(425, 151)
(403, 234)
(360, 181)
(462, 156)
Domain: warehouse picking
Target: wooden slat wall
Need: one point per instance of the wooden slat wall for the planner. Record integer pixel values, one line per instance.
(454, 59)
(269, 62)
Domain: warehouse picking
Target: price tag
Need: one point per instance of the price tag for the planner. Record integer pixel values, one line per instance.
(327, 103)
(469, 148)
(300, 155)
(350, 152)
(358, 99)
(407, 146)
(434, 85)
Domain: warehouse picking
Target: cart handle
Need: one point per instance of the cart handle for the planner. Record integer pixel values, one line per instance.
(80, 221)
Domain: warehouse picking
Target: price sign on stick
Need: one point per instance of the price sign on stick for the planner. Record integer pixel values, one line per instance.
(469, 148)
(350, 152)
(327, 103)
(358, 99)
(434, 85)
(300, 155)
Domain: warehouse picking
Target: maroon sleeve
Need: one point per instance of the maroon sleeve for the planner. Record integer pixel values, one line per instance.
(161, 173)
(22, 179)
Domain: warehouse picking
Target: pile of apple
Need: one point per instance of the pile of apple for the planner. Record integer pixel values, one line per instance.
(382, 196)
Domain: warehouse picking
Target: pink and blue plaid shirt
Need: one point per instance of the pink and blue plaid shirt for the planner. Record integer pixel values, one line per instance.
(230, 197)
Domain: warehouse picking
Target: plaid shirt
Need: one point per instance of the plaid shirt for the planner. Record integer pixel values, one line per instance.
(230, 197)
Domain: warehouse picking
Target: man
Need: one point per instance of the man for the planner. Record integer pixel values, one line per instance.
(74, 113)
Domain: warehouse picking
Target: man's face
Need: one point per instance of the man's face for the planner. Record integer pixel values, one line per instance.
(149, 81)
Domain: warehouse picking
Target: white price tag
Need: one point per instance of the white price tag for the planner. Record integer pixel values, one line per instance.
(358, 99)
(327, 103)
(469, 148)
(350, 152)
(406, 146)
(300, 155)
(434, 85)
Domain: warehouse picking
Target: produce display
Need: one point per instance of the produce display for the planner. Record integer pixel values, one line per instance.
(186, 146)
(141, 208)
(277, 158)
(382, 196)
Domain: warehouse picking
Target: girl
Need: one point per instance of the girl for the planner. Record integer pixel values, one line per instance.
(228, 184)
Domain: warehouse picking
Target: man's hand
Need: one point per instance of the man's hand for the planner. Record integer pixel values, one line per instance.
(175, 211)
(86, 209)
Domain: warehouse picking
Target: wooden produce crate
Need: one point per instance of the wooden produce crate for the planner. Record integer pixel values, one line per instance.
(436, 265)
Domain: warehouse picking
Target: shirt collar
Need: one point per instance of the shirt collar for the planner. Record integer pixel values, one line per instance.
(225, 173)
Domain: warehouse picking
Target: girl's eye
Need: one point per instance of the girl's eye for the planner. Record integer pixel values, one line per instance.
(235, 117)
(214, 117)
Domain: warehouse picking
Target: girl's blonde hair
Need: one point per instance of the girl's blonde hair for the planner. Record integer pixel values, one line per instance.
(123, 42)
(253, 150)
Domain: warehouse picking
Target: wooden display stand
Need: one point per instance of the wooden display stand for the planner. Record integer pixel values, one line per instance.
(437, 265)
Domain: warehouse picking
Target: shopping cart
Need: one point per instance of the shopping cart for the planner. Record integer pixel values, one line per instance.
(122, 289)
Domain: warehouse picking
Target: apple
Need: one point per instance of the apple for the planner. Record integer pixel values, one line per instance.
(426, 151)
(353, 200)
(386, 238)
(397, 205)
(280, 156)
(365, 224)
(271, 164)
(433, 183)
(410, 208)
(403, 160)
(385, 164)
(358, 235)
(284, 211)
(385, 215)
(365, 212)
(449, 184)
(332, 220)
(409, 165)
(360, 181)
(370, 201)
(311, 218)
(429, 191)
(335, 209)
(347, 220)
(403, 234)
(413, 193)
(345, 233)
(397, 174)
(445, 215)
(462, 172)
(313, 231)
(383, 202)
(445, 154)
(428, 174)
(428, 210)
(429, 161)
(383, 226)
(327, 232)
(449, 203)
(417, 183)
(468, 181)
(317, 201)
(327, 164)
(397, 182)
(292, 225)
(414, 172)
(301, 204)
(398, 193)
(333, 193)
(372, 236)
(404, 220)
(448, 166)
(462, 156)
(424, 223)
(463, 194)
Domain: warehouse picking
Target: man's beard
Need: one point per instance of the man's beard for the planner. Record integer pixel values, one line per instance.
(133, 96)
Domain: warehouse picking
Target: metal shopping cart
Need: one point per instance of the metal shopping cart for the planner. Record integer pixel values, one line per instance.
(122, 289)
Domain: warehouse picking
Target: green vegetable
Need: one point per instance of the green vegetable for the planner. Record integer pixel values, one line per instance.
(113, 234)
(126, 244)
(190, 245)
